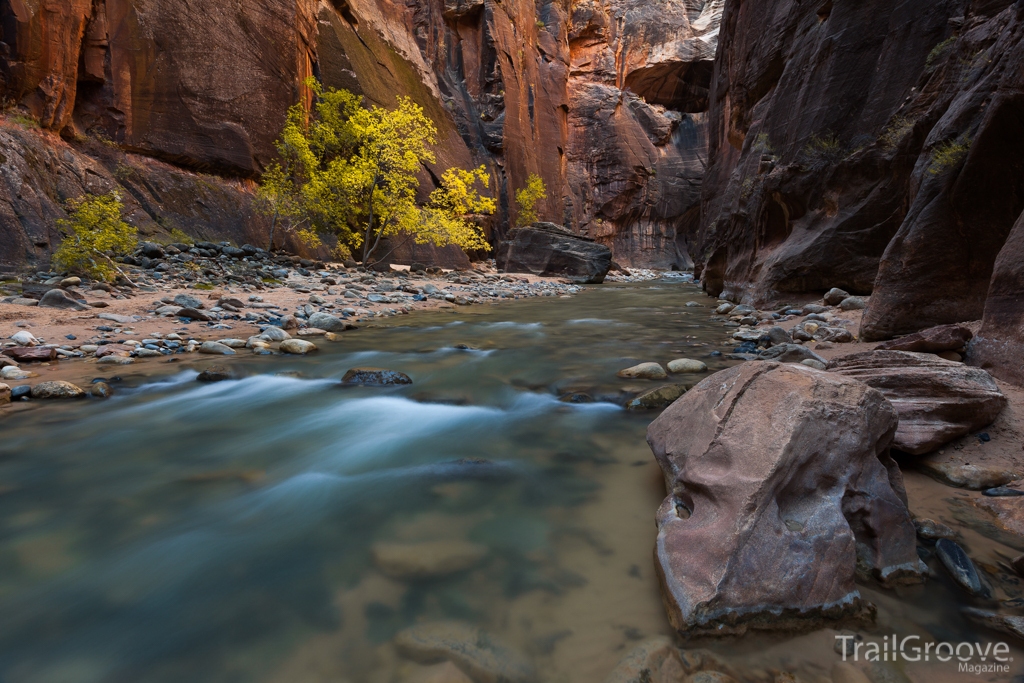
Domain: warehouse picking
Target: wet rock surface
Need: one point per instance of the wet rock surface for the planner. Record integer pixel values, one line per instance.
(479, 655)
(819, 491)
(937, 400)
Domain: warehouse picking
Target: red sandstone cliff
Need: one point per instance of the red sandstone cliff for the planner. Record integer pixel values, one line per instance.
(603, 99)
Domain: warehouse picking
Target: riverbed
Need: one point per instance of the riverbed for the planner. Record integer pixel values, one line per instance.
(226, 532)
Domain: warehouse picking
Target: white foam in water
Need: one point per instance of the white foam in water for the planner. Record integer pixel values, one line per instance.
(232, 395)
(509, 324)
(373, 430)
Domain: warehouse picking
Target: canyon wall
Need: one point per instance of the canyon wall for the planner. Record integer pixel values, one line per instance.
(605, 100)
(874, 147)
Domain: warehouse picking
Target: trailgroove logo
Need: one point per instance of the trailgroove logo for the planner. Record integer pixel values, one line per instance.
(973, 658)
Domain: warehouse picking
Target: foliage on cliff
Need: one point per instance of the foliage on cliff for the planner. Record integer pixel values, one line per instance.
(93, 233)
(351, 171)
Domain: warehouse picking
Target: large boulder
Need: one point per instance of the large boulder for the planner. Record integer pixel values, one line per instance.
(937, 400)
(932, 340)
(58, 298)
(780, 487)
(549, 249)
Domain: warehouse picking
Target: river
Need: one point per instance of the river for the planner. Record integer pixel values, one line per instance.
(226, 532)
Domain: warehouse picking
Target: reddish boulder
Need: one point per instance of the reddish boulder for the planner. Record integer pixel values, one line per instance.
(937, 400)
(932, 340)
(779, 484)
(29, 354)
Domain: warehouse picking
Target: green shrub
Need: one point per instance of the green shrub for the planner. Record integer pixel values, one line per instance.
(949, 155)
(938, 52)
(822, 151)
(93, 233)
(898, 128)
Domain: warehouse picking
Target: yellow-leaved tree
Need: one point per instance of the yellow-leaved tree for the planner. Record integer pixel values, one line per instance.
(527, 198)
(351, 171)
(93, 233)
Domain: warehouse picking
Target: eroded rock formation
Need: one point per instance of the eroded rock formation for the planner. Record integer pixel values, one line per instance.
(780, 472)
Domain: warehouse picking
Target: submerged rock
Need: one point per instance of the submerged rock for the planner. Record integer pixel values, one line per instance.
(937, 400)
(215, 373)
(655, 661)
(959, 566)
(780, 472)
(377, 377)
(475, 652)
(426, 560)
(551, 250)
(657, 398)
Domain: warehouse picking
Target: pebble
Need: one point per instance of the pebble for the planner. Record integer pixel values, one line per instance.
(5, 394)
(216, 349)
(483, 657)
(115, 360)
(427, 559)
(686, 365)
(724, 308)
(233, 343)
(298, 347)
(644, 371)
(812, 363)
(24, 338)
(13, 372)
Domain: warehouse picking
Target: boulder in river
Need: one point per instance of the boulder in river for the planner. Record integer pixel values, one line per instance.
(376, 377)
(937, 400)
(552, 250)
(57, 389)
(215, 349)
(780, 484)
(478, 654)
(681, 366)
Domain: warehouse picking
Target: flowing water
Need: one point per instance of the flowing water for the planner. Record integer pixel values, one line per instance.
(225, 532)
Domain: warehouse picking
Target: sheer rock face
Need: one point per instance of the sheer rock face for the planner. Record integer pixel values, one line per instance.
(520, 87)
(871, 147)
(780, 472)
(551, 250)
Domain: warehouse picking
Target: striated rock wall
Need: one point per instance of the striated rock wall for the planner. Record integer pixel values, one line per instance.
(870, 146)
(603, 99)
